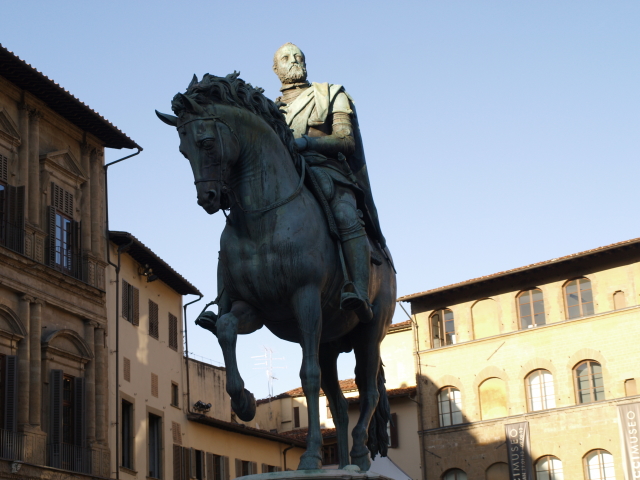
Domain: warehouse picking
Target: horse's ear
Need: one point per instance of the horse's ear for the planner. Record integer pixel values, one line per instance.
(194, 80)
(168, 119)
(192, 105)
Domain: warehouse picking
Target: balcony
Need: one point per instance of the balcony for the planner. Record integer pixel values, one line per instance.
(69, 457)
(12, 445)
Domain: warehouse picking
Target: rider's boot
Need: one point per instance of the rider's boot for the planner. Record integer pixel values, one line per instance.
(357, 257)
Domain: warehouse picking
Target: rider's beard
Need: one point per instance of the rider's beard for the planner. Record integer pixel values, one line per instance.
(296, 74)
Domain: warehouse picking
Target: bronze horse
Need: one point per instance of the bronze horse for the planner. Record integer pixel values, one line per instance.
(278, 265)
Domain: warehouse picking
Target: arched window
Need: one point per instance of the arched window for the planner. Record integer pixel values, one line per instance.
(579, 298)
(449, 406)
(454, 474)
(493, 398)
(618, 300)
(443, 331)
(531, 308)
(589, 382)
(540, 392)
(486, 318)
(497, 471)
(598, 465)
(549, 468)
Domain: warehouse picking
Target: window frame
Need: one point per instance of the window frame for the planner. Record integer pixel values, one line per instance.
(591, 387)
(126, 434)
(550, 471)
(63, 254)
(585, 464)
(175, 395)
(580, 302)
(455, 471)
(531, 302)
(441, 415)
(154, 439)
(442, 328)
(545, 396)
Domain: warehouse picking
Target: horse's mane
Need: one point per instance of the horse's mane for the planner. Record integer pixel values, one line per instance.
(232, 90)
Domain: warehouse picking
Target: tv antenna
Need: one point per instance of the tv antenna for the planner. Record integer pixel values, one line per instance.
(268, 366)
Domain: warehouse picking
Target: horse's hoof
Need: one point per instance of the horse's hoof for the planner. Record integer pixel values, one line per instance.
(246, 409)
(208, 321)
(362, 461)
(309, 461)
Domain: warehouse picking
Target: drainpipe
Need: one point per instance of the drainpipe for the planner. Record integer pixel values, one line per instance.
(186, 348)
(284, 456)
(121, 249)
(418, 391)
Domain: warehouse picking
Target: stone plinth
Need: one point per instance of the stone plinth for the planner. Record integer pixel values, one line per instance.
(350, 472)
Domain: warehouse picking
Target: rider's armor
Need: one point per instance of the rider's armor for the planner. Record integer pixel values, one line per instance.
(341, 174)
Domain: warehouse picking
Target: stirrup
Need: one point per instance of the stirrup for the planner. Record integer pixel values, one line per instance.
(352, 302)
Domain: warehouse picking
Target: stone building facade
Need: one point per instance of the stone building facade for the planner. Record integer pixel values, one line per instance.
(53, 321)
(549, 349)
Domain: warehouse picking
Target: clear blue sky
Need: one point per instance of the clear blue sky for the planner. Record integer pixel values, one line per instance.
(497, 133)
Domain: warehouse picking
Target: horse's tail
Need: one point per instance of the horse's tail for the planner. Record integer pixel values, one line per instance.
(378, 436)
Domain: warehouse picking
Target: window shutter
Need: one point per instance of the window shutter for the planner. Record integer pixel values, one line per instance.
(4, 168)
(51, 239)
(173, 332)
(153, 319)
(226, 471)
(136, 306)
(127, 369)
(56, 406)
(192, 463)
(186, 470)
(253, 468)
(265, 469)
(296, 417)
(11, 393)
(154, 385)
(79, 411)
(176, 431)
(394, 431)
(76, 250)
(15, 218)
(125, 299)
(238, 467)
(177, 462)
(209, 466)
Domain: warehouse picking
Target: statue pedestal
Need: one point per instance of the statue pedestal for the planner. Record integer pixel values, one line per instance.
(350, 472)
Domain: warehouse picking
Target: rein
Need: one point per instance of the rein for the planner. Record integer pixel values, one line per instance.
(226, 189)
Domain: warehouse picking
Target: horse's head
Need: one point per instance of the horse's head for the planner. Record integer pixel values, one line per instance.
(210, 145)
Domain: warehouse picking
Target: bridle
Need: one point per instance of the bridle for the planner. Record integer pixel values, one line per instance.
(222, 169)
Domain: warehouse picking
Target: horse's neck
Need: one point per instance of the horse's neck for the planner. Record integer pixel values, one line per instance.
(264, 173)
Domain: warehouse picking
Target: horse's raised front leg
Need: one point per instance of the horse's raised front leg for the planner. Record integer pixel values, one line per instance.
(307, 310)
(337, 403)
(242, 319)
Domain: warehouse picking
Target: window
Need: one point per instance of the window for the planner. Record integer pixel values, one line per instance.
(126, 366)
(270, 468)
(9, 395)
(154, 385)
(443, 330)
(244, 467)
(173, 332)
(549, 468)
(579, 298)
(127, 434)
(67, 410)
(64, 233)
(153, 320)
(630, 388)
(392, 431)
(130, 303)
(67, 419)
(455, 474)
(540, 392)
(493, 398)
(589, 382)
(329, 415)
(217, 467)
(449, 406)
(598, 465)
(618, 300)
(296, 417)
(531, 309)
(330, 454)
(11, 214)
(498, 471)
(155, 445)
(175, 395)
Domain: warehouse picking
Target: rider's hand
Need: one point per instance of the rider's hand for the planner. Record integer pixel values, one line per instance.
(301, 144)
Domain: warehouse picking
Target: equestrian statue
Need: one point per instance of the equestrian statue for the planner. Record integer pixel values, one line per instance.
(302, 252)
